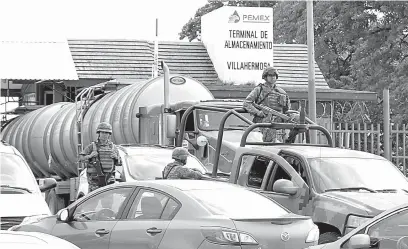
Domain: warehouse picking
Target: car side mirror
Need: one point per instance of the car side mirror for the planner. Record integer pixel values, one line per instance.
(202, 144)
(285, 187)
(402, 243)
(171, 125)
(47, 184)
(360, 241)
(63, 215)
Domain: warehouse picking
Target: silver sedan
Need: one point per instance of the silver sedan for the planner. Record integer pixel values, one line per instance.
(178, 214)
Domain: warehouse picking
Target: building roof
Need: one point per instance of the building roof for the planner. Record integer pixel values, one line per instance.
(36, 60)
(133, 59)
(295, 93)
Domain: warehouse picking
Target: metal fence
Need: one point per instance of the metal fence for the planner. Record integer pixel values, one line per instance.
(369, 138)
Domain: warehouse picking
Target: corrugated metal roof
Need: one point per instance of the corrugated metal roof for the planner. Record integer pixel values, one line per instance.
(36, 60)
(133, 59)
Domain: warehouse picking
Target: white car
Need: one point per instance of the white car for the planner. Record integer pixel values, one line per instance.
(33, 240)
(21, 199)
(142, 162)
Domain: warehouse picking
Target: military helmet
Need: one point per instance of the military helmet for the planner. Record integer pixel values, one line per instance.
(104, 127)
(269, 70)
(180, 153)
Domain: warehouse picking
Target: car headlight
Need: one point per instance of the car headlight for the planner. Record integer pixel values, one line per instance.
(313, 235)
(354, 221)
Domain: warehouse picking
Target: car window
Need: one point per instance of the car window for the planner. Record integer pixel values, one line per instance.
(393, 227)
(257, 171)
(280, 173)
(104, 206)
(16, 173)
(298, 166)
(152, 205)
(343, 172)
(170, 210)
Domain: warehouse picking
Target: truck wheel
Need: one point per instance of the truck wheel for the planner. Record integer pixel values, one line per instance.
(328, 237)
(54, 202)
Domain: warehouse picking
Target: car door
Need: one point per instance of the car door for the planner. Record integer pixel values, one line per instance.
(387, 231)
(144, 221)
(94, 218)
(260, 169)
(300, 202)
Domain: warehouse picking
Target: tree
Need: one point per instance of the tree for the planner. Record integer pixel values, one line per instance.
(359, 45)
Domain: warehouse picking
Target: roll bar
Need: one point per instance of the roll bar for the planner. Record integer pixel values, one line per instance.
(221, 134)
(299, 128)
(187, 113)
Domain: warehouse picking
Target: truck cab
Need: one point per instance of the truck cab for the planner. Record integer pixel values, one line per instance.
(339, 188)
(200, 122)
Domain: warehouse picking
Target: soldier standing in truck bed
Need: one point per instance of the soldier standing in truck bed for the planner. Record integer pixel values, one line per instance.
(105, 152)
(270, 95)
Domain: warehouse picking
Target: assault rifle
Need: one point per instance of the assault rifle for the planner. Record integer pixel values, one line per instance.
(302, 114)
(297, 117)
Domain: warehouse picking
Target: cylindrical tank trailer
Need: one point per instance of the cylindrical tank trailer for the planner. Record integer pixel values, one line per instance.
(51, 131)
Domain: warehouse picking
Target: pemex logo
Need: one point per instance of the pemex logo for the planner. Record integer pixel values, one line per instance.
(234, 18)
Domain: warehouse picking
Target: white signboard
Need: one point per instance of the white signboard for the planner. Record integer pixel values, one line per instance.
(239, 41)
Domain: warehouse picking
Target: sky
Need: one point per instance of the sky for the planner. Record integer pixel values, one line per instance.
(95, 19)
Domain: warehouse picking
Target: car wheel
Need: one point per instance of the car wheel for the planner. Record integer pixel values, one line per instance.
(328, 237)
(54, 202)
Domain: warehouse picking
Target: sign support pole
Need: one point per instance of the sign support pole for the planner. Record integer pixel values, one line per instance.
(311, 73)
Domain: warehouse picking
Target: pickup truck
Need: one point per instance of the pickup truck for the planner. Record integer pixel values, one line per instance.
(339, 188)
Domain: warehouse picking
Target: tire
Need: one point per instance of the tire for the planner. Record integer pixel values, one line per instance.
(328, 237)
(54, 202)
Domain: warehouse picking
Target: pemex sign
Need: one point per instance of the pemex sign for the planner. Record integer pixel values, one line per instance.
(239, 41)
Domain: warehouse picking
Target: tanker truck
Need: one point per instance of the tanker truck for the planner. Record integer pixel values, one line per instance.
(148, 112)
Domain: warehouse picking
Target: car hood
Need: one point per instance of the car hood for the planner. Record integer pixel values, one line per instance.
(373, 203)
(33, 240)
(18, 205)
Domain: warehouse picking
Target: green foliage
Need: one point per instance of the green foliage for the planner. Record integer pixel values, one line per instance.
(359, 45)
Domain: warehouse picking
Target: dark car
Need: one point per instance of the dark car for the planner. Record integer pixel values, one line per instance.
(178, 214)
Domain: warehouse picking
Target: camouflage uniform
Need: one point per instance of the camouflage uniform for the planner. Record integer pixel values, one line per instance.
(108, 156)
(176, 170)
(273, 97)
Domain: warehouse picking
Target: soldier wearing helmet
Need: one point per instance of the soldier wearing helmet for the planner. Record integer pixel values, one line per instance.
(177, 169)
(270, 95)
(104, 151)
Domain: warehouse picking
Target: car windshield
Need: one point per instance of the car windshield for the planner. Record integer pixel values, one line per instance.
(149, 164)
(15, 173)
(210, 120)
(371, 174)
(249, 205)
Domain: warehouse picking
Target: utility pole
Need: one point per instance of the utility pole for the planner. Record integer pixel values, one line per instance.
(387, 123)
(310, 52)
(156, 51)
